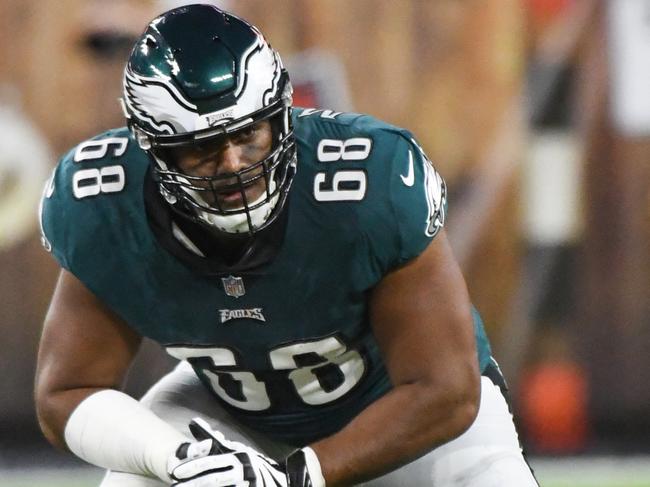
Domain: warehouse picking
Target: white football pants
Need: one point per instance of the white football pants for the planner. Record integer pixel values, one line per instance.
(486, 455)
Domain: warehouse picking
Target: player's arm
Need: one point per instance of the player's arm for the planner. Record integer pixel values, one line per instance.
(84, 355)
(84, 349)
(421, 317)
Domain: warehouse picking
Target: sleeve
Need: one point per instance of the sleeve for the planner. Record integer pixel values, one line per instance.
(418, 196)
(408, 203)
(54, 217)
(70, 214)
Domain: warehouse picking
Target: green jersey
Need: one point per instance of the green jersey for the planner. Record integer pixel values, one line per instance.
(286, 346)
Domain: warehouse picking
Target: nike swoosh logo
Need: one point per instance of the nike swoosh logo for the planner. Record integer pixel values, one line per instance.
(409, 179)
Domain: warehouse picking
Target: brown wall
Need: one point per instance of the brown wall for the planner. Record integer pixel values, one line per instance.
(68, 95)
(447, 70)
(444, 69)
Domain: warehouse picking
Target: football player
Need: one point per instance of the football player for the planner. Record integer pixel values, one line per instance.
(294, 261)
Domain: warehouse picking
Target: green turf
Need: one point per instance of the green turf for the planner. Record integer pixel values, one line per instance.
(591, 480)
(550, 474)
(595, 483)
(82, 478)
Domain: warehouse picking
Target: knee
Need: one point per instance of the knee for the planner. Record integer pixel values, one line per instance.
(501, 469)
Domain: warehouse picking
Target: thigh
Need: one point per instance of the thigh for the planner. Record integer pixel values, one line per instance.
(179, 397)
(119, 479)
(486, 455)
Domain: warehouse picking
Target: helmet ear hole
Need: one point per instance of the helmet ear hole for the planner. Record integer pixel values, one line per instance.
(151, 43)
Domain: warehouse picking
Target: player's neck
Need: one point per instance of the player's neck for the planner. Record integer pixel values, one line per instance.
(206, 251)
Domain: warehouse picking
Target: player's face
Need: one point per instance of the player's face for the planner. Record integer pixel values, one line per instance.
(230, 154)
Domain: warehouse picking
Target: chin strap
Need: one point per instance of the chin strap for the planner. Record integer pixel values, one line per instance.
(303, 469)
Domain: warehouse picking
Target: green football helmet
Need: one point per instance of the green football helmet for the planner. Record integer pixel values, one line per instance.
(196, 76)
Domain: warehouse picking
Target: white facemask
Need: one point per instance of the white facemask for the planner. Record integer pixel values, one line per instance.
(239, 223)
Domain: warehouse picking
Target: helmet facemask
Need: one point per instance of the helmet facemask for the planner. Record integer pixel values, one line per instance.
(204, 198)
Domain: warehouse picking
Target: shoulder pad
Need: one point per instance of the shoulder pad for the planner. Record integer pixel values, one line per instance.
(74, 200)
(376, 177)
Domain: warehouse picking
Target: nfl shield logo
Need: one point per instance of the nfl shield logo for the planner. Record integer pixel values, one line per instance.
(234, 286)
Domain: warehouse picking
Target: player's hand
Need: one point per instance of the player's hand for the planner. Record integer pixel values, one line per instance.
(213, 461)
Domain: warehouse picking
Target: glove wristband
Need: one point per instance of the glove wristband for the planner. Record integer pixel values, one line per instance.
(303, 469)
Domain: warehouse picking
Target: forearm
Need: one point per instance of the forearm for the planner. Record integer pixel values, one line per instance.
(112, 430)
(401, 426)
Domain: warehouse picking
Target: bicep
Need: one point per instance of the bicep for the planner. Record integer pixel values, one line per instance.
(84, 347)
(421, 318)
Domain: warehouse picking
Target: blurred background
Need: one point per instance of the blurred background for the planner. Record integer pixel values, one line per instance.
(536, 112)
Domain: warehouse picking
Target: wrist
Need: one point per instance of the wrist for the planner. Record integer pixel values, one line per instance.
(303, 469)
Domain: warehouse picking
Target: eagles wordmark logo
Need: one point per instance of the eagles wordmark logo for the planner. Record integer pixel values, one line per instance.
(237, 314)
(216, 118)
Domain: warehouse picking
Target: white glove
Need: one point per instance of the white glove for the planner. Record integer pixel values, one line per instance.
(213, 461)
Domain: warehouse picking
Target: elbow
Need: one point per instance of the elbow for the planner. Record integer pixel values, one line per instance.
(465, 412)
(46, 414)
(467, 403)
(54, 404)
(455, 409)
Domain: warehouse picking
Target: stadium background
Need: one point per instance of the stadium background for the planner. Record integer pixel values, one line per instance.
(537, 113)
